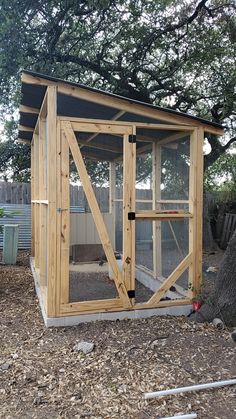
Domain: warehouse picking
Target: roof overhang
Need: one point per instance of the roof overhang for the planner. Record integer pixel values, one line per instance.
(77, 100)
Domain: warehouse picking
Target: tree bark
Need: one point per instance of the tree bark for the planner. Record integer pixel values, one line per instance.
(222, 304)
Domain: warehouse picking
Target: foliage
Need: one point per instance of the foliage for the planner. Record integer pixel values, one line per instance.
(221, 175)
(167, 52)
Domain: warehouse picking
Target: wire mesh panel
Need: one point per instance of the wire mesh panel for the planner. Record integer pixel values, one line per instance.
(162, 245)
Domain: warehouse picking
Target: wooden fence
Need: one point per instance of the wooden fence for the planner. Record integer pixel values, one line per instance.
(20, 193)
(221, 206)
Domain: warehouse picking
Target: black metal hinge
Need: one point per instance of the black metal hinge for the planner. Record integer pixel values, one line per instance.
(132, 138)
(131, 293)
(131, 216)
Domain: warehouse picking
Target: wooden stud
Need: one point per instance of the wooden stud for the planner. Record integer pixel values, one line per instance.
(91, 305)
(112, 191)
(109, 125)
(195, 206)
(23, 141)
(25, 128)
(199, 211)
(65, 220)
(114, 118)
(42, 208)
(40, 201)
(100, 127)
(164, 303)
(156, 225)
(32, 203)
(106, 306)
(154, 215)
(99, 222)
(36, 195)
(52, 195)
(129, 192)
(28, 109)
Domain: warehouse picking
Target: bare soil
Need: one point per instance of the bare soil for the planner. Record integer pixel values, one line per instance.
(41, 376)
(86, 286)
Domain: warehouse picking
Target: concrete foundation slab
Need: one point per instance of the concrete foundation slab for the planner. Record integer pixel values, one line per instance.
(183, 310)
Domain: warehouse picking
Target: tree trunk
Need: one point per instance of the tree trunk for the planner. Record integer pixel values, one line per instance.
(222, 303)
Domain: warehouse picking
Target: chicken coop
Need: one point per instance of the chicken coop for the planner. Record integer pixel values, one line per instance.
(133, 246)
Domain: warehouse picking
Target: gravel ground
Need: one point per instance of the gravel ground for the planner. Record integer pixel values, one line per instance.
(41, 376)
(86, 286)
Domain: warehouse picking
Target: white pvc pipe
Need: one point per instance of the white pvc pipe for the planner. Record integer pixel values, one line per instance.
(188, 416)
(189, 388)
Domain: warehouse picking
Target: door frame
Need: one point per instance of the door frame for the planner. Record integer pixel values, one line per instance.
(125, 281)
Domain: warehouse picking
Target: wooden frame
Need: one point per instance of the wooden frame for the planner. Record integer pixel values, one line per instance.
(53, 139)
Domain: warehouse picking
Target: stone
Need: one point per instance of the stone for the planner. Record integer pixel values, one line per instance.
(5, 366)
(85, 347)
(218, 323)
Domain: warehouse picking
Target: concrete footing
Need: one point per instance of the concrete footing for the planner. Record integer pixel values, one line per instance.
(74, 320)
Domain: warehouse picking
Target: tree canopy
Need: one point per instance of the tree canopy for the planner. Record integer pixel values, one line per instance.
(170, 53)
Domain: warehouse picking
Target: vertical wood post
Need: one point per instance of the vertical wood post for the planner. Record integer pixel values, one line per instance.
(112, 192)
(195, 207)
(52, 196)
(129, 192)
(42, 208)
(199, 194)
(32, 198)
(36, 196)
(156, 195)
(64, 241)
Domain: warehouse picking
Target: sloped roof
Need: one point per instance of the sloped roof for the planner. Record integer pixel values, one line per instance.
(78, 100)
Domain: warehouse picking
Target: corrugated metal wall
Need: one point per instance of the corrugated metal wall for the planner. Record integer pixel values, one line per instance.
(21, 215)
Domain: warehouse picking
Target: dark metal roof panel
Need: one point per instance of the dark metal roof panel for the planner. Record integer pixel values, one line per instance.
(25, 135)
(38, 95)
(78, 108)
(28, 119)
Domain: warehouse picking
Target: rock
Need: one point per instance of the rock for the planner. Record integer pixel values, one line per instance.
(85, 347)
(212, 269)
(218, 323)
(233, 335)
(5, 366)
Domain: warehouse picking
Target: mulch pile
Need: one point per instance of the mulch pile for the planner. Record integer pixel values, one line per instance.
(41, 376)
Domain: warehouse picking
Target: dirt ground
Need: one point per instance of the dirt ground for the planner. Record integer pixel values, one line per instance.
(41, 376)
(87, 286)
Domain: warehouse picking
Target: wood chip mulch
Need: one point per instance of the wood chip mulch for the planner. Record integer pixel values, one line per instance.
(42, 377)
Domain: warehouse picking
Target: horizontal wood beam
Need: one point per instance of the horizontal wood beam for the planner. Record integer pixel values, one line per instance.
(154, 215)
(40, 201)
(24, 128)
(28, 109)
(106, 306)
(91, 305)
(76, 122)
(97, 127)
(23, 141)
(114, 118)
(164, 303)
